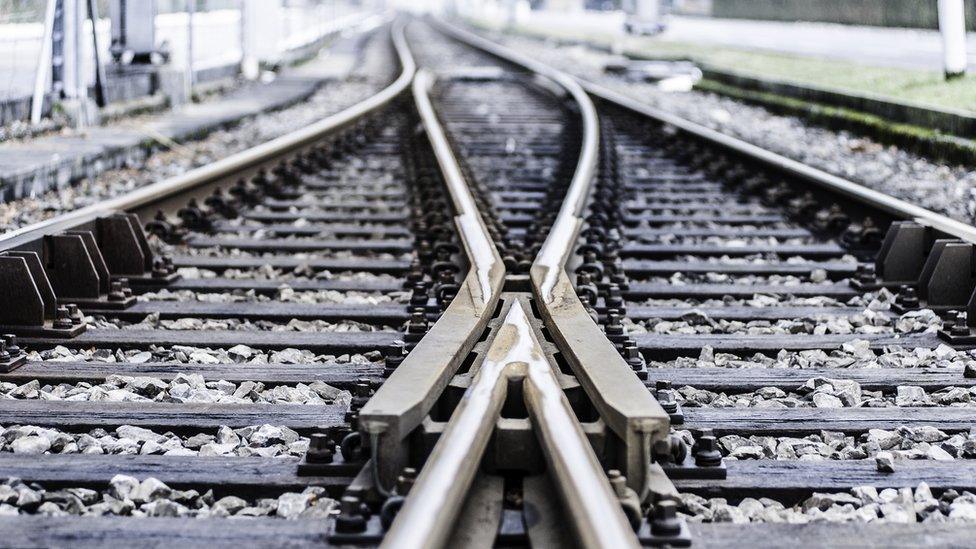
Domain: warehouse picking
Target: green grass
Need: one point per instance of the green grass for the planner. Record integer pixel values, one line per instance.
(916, 86)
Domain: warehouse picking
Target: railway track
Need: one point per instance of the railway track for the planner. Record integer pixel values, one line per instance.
(769, 302)
(482, 305)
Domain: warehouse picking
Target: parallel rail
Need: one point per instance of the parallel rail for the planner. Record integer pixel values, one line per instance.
(235, 166)
(429, 513)
(925, 256)
(622, 400)
(403, 402)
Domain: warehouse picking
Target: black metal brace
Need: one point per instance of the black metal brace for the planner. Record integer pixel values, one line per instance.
(28, 303)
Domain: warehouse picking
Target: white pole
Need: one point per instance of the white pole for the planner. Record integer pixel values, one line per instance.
(41, 77)
(250, 66)
(188, 79)
(952, 23)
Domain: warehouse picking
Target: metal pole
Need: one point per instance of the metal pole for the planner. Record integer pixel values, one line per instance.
(69, 26)
(99, 69)
(43, 63)
(952, 23)
(188, 78)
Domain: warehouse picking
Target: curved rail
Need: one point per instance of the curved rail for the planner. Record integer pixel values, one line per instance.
(405, 399)
(894, 206)
(428, 515)
(222, 169)
(620, 397)
(554, 251)
(482, 251)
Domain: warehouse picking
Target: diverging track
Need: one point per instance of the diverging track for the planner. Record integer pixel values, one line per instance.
(490, 305)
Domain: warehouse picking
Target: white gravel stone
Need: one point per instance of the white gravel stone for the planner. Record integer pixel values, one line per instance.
(183, 388)
(128, 496)
(30, 445)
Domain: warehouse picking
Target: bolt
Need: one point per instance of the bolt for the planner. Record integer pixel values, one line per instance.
(321, 449)
(4, 353)
(865, 273)
(74, 313)
(621, 281)
(665, 396)
(62, 319)
(126, 289)
(12, 347)
(664, 521)
(961, 326)
(116, 292)
(634, 358)
(419, 296)
(614, 299)
(661, 450)
(416, 329)
(405, 480)
(350, 519)
(394, 357)
(416, 273)
(907, 297)
(618, 482)
(706, 452)
(159, 268)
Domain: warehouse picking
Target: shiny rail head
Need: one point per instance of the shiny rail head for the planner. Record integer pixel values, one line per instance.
(430, 511)
(621, 398)
(482, 251)
(558, 245)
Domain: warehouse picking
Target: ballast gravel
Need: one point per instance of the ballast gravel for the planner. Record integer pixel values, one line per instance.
(153, 322)
(300, 274)
(255, 440)
(866, 322)
(284, 294)
(740, 242)
(816, 276)
(183, 388)
(183, 354)
(861, 504)
(220, 252)
(856, 353)
(903, 443)
(149, 497)
(821, 392)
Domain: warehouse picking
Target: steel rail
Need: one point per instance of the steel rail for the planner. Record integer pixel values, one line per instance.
(893, 206)
(474, 233)
(875, 199)
(554, 252)
(404, 400)
(429, 513)
(225, 168)
(619, 396)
